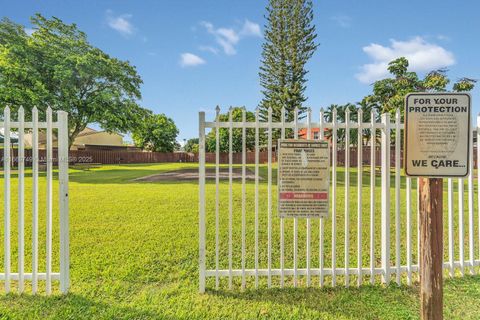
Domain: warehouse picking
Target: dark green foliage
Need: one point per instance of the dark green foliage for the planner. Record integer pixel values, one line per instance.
(156, 133)
(210, 143)
(56, 66)
(389, 94)
(289, 44)
(191, 145)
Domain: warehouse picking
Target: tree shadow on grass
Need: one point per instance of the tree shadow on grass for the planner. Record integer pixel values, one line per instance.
(366, 302)
(70, 306)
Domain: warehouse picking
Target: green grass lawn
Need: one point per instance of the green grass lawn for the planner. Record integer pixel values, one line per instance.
(134, 255)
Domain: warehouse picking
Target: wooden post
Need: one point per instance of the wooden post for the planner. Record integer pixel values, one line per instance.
(431, 248)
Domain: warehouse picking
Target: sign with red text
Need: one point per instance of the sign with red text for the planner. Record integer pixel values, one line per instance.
(437, 134)
(303, 178)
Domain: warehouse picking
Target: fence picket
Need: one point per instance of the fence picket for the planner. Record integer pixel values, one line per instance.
(49, 202)
(257, 147)
(386, 197)
(409, 230)
(347, 198)
(295, 220)
(201, 203)
(217, 195)
(230, 200)
(21, 200)
(359, 193)
(397, 194)
(334, 193)
(373, 140)
(64, 203)
(309, 121)
(6, 177)
(461, 233)
(35, 201)
(269, 199)
(322, 221)
(470, 207)
(244, 195)
(282, 222)
(450, 227)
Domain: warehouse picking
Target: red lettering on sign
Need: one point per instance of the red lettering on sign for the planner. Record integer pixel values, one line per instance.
(303, 195)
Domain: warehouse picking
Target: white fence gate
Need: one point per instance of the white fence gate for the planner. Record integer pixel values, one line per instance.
(19, 128)
(226, 230)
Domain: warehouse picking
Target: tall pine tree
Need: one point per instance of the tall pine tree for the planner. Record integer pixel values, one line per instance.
(289, 44)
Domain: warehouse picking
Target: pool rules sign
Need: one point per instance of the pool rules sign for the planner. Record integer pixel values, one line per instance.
(303, 178)
(437, 134)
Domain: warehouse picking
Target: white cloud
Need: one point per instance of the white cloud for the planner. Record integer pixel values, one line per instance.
(251, 29)
(188, 59)
(342, 20)
(120, 23)
(228, 38)
(421, 55)
(209, 49)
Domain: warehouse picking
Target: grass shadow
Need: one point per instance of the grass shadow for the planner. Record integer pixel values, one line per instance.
(71, 306)
(372, 302)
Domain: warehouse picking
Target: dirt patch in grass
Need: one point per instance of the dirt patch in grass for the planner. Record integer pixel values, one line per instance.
(192, 174)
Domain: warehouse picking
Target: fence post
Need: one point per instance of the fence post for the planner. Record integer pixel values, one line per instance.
(385, 218)
(62, 118)
(201, 174)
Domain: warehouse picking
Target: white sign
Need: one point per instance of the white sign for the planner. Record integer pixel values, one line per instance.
(303, 178)
(437, 134)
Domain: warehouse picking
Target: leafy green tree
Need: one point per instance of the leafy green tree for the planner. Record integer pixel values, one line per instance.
(191, 145)
(341, 118)
(56, 66)
(389, 94)
(289, 44)
(156, 133)
(237, 114)
(367, 106)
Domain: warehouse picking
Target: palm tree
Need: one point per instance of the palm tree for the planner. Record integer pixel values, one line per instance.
(341, 118)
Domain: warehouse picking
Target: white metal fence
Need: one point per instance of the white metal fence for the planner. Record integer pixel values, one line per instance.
(236, 243)
(35, 128)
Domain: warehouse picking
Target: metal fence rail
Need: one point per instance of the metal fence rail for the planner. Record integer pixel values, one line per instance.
(10, 127)
(227, 250)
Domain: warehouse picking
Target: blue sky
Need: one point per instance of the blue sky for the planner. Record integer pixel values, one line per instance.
(194, 55)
